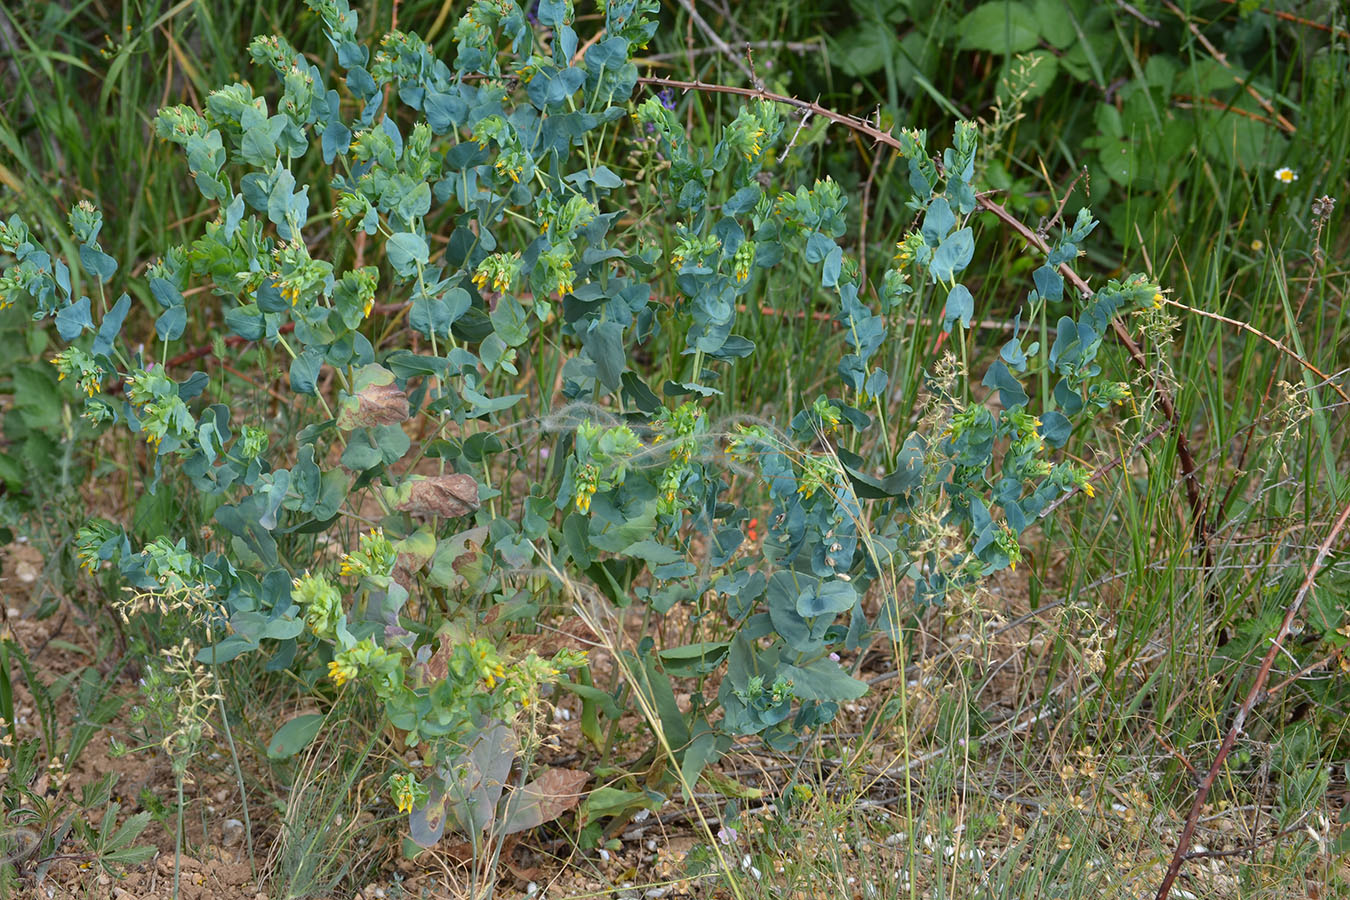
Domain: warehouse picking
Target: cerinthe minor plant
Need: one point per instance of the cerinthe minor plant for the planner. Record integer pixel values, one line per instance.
(499, 246)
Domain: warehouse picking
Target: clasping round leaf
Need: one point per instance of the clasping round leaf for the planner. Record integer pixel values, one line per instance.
(830, 597)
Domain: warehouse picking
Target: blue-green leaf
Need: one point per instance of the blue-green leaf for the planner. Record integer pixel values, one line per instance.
(826, 598)
(169, 326)
(406, 252)
(960, 305)
(97, 263)
(72, 320)
(952, 255)
(823, 680)
(1011, 394)
(305, 370)
(111, 326)
(938, 221)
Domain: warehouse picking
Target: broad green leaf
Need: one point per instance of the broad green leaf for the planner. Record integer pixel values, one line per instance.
(294, 736)
(1000, 26)
(611, 801)
(694, 659)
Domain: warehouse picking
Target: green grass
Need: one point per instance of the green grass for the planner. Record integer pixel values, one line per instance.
(1050, 756)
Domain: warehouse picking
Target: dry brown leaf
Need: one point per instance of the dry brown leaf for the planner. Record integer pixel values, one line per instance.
(550, 795)
(377, 400)
(449, 496)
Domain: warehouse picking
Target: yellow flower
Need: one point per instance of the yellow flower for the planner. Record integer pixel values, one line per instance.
(495, 674)
(754, 148)
(1158, 300)
(341, 673)
(1089, 489)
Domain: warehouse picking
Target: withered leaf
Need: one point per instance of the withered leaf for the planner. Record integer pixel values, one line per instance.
(550, 795)
(375, 400)
(413, 553)
(448, 496)
(455, 558)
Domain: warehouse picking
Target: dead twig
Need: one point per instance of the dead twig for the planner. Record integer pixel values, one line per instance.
(1255, 695)
(862, 224)
(1256, 332)
(711, 34)
(790, 46)
(1222, 59)
(1043, 229)
(1250, 848)
(1151, 23)
(1299, 20)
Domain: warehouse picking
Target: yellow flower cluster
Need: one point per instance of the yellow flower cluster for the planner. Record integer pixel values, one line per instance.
(341, 672)
(906, 248)
(753, 139)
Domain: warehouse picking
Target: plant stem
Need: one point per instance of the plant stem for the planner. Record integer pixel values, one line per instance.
(178, 833)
